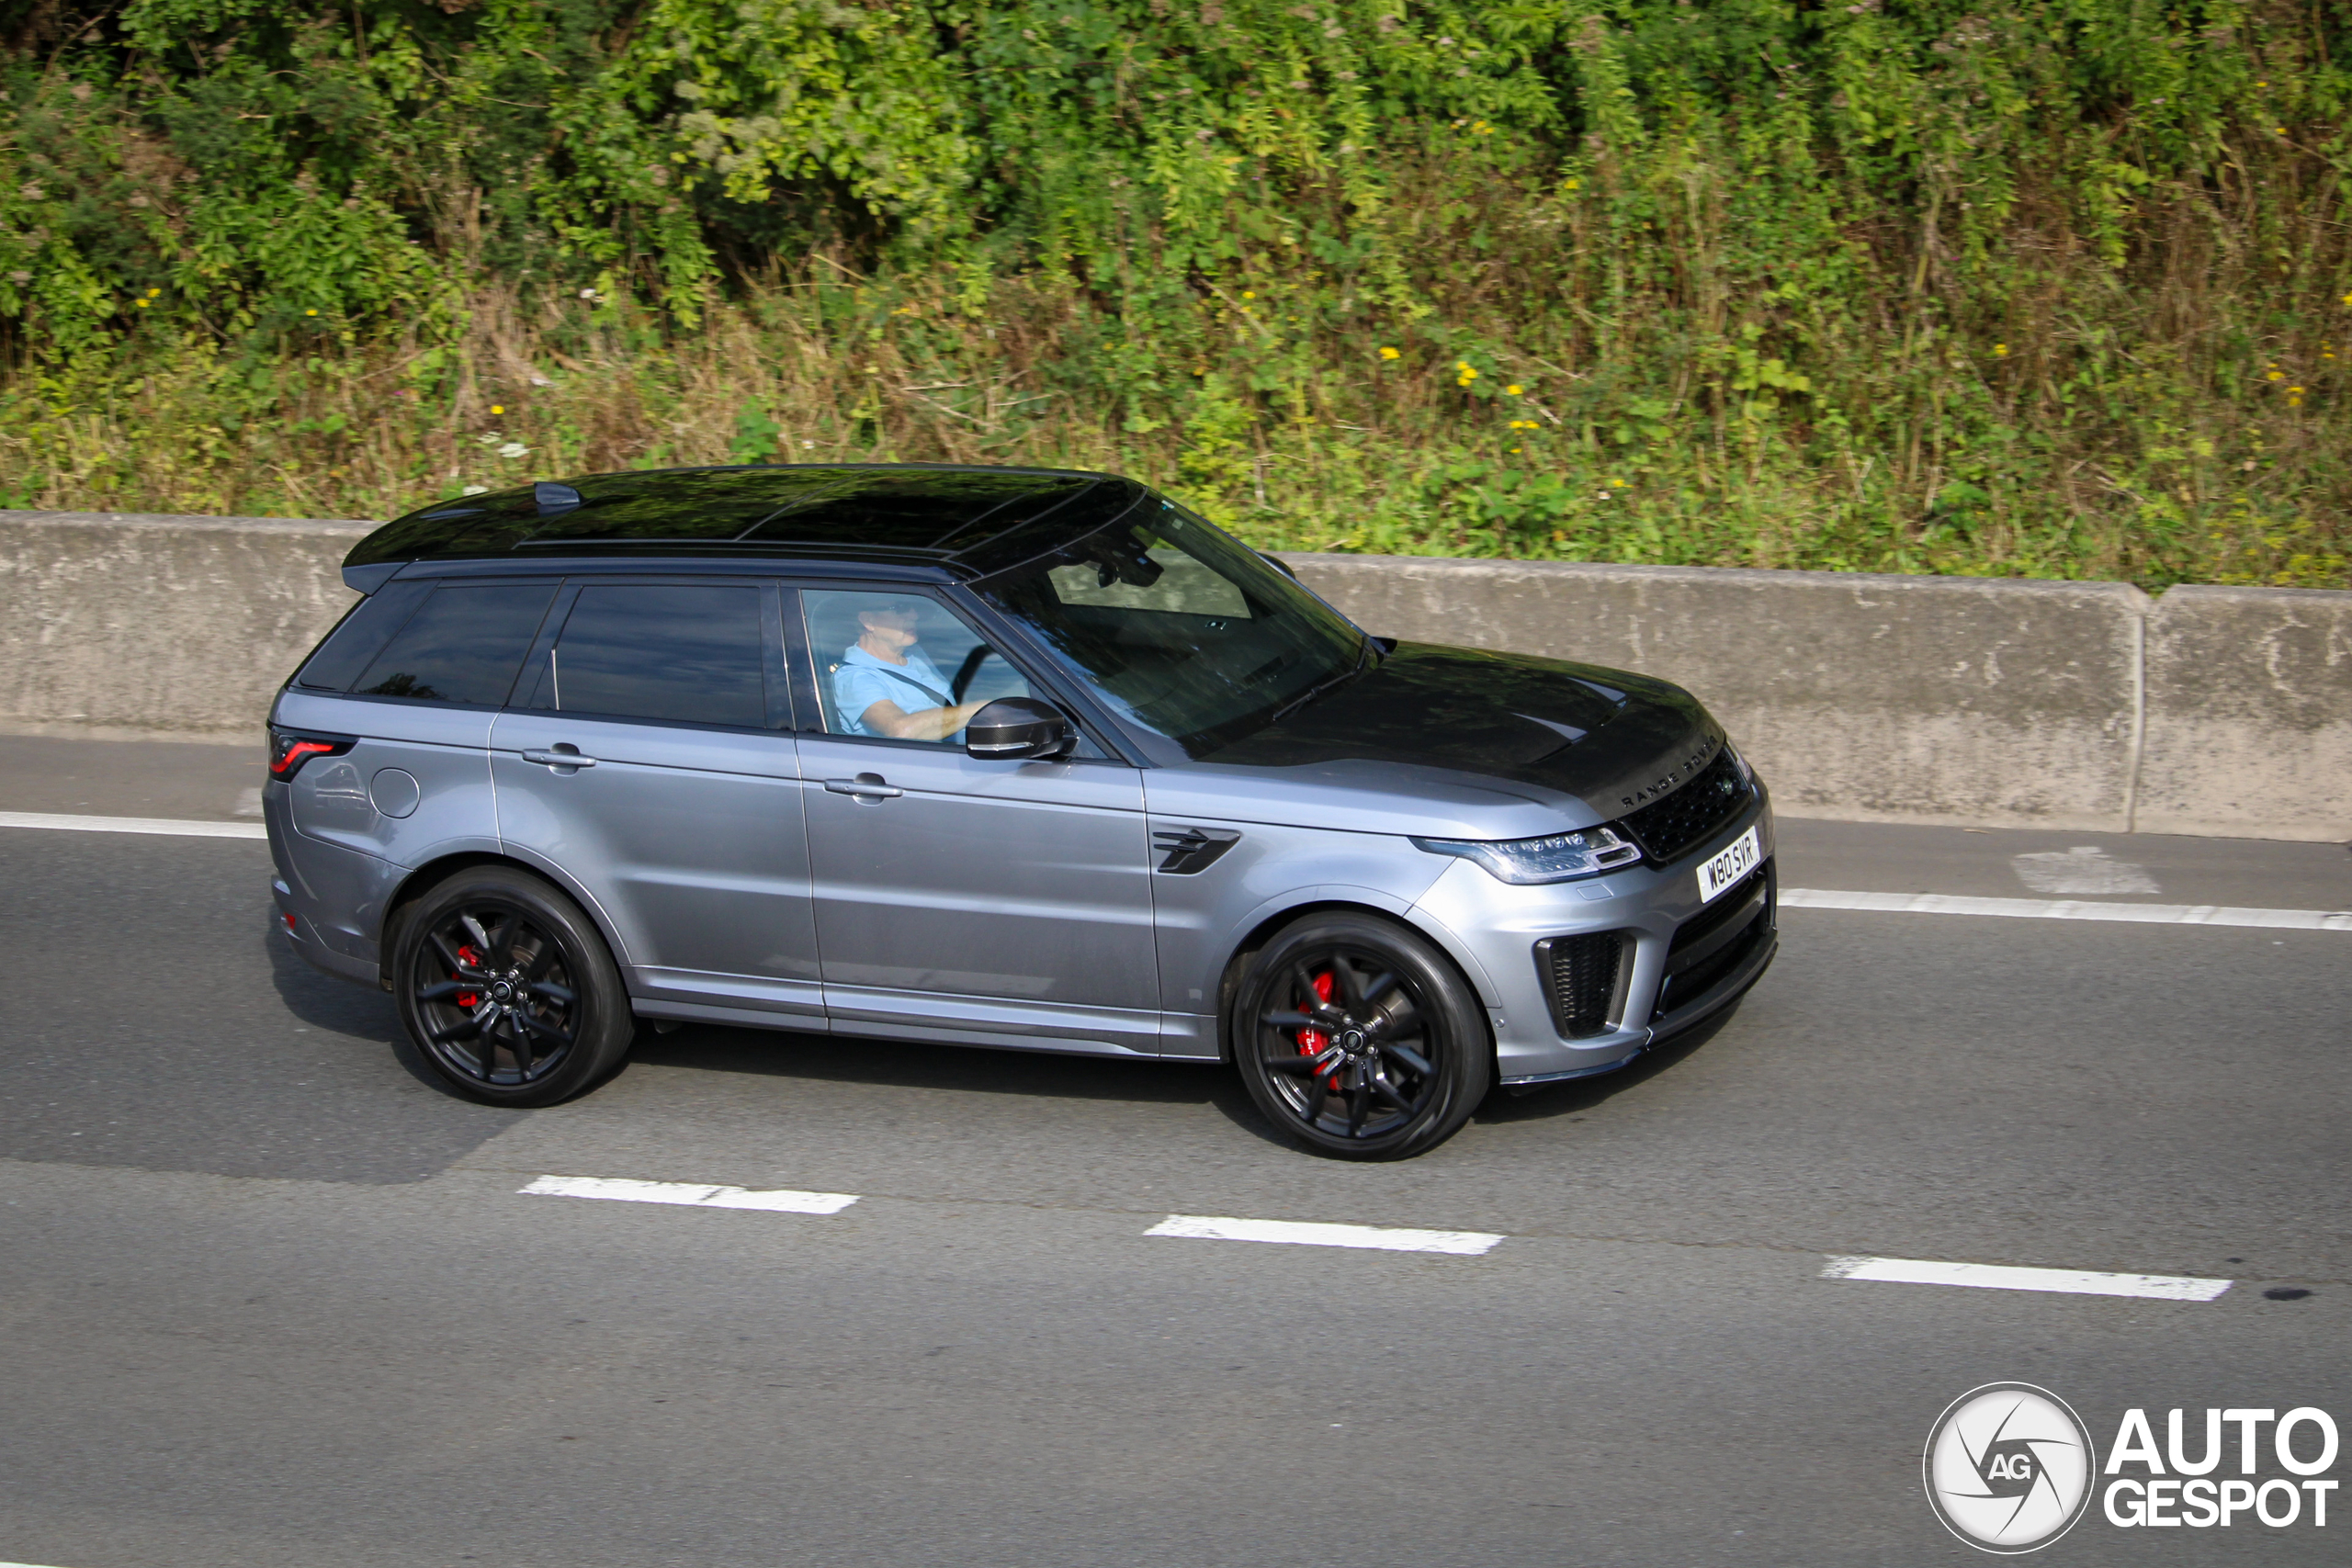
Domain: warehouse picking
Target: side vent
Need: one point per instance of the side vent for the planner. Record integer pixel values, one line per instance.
(1191, 850)
(1583, 979)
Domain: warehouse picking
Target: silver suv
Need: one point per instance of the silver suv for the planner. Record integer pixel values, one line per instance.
(1001, 757)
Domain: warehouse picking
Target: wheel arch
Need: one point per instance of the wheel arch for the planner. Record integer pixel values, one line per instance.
(422, 878)
(1264, 922)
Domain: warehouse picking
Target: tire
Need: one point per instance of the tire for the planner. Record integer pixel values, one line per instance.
(507, 989)
(1403, 1045)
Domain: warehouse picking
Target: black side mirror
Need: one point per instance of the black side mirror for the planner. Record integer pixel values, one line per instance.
(1279, 565)
(1016, 727)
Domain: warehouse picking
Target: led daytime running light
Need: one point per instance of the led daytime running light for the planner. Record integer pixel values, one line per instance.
(1556, 857)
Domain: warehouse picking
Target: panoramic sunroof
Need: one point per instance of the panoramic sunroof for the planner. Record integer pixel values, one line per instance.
(940, 511)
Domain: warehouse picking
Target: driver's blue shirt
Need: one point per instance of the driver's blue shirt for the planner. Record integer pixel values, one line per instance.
(864, 679)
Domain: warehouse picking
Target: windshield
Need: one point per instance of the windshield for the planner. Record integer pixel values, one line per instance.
(1180, 628)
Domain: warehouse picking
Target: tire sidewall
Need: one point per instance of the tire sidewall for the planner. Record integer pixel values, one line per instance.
(601, 1039)
(1463, 1075)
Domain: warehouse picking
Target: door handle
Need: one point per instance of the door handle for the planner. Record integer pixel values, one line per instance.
(867, 787)
(559, 758)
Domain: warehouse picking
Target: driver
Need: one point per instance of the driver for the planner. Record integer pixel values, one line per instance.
(888, 686)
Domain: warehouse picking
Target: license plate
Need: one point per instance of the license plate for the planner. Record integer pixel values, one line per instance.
(1717, 873)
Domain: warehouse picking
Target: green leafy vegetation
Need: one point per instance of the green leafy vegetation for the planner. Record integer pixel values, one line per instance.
(2053, 287)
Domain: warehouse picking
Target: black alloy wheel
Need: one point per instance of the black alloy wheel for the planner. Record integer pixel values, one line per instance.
(1359, 1039)
(507, 990)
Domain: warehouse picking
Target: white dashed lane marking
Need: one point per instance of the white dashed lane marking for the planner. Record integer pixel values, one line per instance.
(689, 1194)
(1386, 1238)
(2004, 1277)
(177, 827)
(1207, 1227)
(2066, 909)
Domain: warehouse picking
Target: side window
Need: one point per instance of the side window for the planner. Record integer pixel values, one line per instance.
(360, 637)
(898, 666)
(690, 654)
(463, 645)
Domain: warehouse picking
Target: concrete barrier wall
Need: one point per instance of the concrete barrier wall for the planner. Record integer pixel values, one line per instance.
(128, 624)
(1919, 699)
(2249, 714)
(1922, 699)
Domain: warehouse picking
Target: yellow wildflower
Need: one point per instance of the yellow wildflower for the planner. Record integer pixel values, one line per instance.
(1249, 294)
(153, 293)
(1514, 389)
(498, 408)
(2000, 351)
(141, 303)
(309, 313)
(1619, 484)
(1388, 354)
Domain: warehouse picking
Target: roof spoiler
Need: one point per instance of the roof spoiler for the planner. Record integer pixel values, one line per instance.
(365, 579)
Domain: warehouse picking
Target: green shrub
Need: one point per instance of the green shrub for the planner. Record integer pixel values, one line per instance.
(2050, 289)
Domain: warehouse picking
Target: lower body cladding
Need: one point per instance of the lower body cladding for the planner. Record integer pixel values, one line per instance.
(1584, 977)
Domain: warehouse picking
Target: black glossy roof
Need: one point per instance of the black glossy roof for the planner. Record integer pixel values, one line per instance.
(976, 519)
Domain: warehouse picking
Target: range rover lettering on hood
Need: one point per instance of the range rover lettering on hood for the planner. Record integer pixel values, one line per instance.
(1674, 777)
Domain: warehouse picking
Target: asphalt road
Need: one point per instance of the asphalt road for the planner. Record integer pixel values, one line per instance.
(269, 1298)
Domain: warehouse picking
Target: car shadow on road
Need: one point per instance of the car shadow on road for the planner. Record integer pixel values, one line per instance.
(836, 1059)
(325, 1002)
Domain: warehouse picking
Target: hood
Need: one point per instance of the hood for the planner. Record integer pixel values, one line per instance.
(1505, 727)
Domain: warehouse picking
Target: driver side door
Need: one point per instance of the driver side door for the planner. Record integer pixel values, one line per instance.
(962, 899)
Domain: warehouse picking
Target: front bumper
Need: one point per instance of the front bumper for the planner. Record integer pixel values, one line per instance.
(1498, 925)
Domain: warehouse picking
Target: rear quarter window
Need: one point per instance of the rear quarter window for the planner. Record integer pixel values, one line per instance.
(464, 644)
(347, 651)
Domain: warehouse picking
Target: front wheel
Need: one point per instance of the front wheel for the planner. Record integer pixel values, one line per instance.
(508, 990)
(1358, 1038)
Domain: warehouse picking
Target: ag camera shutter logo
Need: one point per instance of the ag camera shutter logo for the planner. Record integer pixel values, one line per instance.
(2009, 1468)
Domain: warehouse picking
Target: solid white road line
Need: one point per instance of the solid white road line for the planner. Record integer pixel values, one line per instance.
(691, 1194)
(1207, 1227)
(2004, 1277)
(179, 826)
(2066, 909)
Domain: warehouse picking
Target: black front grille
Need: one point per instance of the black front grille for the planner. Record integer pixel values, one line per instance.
(1716, 941)
(1667, 829)
(1581, 975)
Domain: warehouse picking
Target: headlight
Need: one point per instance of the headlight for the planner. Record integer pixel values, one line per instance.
(1747, 773)
(1561, 857)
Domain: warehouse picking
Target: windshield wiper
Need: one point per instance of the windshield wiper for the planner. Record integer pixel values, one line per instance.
(1363, 656)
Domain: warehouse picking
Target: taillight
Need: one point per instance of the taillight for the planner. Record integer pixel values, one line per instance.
(289, 750)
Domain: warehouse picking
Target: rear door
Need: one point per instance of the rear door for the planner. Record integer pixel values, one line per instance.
(958, 898)
(647, 757)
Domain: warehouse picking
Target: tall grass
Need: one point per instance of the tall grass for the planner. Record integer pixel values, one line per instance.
(2063, 291)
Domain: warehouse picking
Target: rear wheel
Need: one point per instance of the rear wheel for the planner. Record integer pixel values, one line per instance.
(508, 990)
(1359, 1039)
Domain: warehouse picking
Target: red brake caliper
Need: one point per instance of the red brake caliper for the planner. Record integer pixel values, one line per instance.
(1313, 1041)
(471, 960)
